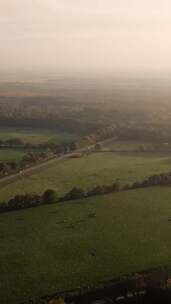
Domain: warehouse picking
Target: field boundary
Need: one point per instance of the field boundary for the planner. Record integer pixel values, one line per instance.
(133, 285)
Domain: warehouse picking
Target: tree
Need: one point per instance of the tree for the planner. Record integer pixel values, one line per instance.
(97, 147)
(15, 142)
(24, 201)
(13, 165)
(72, 146)
(49, 197)
(75, 193)
(4, 168)
(3, 207)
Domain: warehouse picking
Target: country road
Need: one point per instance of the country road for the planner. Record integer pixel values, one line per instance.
(31, 170)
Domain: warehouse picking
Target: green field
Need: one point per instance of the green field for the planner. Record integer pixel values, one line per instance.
(36, 136)
(88, 171)
(135, 145)
(7, 155)
(63, 246)
(131, 145)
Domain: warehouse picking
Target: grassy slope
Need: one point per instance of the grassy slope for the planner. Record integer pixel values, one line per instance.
(96, 169)
(61, 246)
(36, 136)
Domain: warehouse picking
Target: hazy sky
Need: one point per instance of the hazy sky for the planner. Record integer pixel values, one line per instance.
(86, 34)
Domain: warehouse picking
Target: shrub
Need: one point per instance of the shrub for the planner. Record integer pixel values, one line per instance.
(49, 197)
(24, 201)
(3, 207)
(75, 193)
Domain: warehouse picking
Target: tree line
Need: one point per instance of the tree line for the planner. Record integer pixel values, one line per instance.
(28, 159)
(50, 196)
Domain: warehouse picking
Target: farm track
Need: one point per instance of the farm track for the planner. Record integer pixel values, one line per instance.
(31, 170)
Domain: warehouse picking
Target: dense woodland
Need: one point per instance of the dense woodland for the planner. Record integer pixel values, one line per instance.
(91, 112)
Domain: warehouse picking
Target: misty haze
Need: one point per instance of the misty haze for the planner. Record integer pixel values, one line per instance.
(93, 35)
(85, 152)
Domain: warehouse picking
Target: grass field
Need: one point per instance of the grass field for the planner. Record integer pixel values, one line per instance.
(7, 155)
(88, 171)
(131, 145)
(63, 246)
(36, 136)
